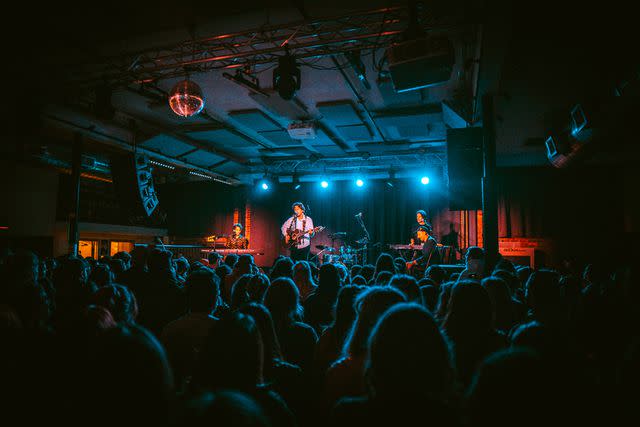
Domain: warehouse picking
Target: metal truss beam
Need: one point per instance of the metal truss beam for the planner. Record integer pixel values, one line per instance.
(304, 39)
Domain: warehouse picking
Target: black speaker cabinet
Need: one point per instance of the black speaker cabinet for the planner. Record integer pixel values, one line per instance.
(464, 162)
(134, 183)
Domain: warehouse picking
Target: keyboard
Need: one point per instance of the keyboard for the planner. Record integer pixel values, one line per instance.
(406, 247)
(410, 247)
(234, 251)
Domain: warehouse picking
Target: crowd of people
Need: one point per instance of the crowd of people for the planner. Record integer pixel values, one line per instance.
(149, 338)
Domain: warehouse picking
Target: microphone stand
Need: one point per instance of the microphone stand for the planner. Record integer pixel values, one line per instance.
(366, 239)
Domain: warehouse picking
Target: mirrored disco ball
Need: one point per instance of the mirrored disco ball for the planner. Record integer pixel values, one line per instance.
(186, 98)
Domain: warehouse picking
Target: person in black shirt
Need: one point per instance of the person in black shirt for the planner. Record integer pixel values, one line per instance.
(429, 254)
(421, 221)
(237, 240)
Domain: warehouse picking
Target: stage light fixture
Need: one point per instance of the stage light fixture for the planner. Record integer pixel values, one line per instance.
(392, 179)
(186, 98)
(424, 180)
(296, 182)
(286, 77)
(264, 185)
(359, 182)
(324, 184)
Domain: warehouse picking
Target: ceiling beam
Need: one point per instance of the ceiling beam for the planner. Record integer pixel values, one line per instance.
(166, 130)
(114, 141)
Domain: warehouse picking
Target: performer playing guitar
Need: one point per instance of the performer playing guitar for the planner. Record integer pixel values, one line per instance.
(297, 232)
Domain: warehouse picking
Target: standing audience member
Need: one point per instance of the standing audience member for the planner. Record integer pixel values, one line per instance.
(183, 338)
(232, 358)
(468, 324)
(297, 339)
(331, 342)
(303, 280)
(346, 376)
(408, 374)
(319, 306)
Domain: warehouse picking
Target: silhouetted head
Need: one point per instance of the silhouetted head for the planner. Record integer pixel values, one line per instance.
(436, 273)
(470, 312)
(257, 287)
(408, 356)
(408, 286)
(543, 290)
(282, 268)
(282, 299)
(128, 373)
(262, 317)
(385, 263)
(223, 408)
(369, 305)
(507, 379)
(232, 355)
(239, 293)
(203, 289)
(119, 300)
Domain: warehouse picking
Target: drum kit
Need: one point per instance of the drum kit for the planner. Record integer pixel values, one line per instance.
(345, 254)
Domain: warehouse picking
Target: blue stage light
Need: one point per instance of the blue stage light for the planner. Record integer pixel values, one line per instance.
(359, 182)
(324, 184)
(424, 180)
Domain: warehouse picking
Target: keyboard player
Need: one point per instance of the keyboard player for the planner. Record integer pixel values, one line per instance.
(427, 256)
(237, 240)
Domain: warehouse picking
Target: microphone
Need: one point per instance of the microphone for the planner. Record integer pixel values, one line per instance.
(358, 215)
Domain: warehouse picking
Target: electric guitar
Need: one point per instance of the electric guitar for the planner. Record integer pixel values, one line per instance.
(293, 236)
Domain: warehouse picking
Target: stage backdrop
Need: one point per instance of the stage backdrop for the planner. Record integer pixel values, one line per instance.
(199, 209)
(580, 209)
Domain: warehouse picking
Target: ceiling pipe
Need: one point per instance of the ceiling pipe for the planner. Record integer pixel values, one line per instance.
(360, 99)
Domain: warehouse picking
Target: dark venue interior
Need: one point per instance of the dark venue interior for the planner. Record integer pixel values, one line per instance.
(302, 213)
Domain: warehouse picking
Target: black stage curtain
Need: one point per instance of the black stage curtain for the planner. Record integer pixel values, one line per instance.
(387, 212)
(199, 209)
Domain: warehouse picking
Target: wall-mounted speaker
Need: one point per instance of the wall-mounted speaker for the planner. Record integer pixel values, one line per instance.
(465, 168)
(133, 182)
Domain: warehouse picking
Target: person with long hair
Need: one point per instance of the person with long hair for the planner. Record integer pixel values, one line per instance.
(297, 339)
(283, 267)
(468, 324)
(284, 377)
(345, 377)
(319, 306)
(408, 374)
(303, 280)
(239, 366)
(332, 339)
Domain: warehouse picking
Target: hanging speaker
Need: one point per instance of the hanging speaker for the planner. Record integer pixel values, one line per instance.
(134, 183)
(464, 161)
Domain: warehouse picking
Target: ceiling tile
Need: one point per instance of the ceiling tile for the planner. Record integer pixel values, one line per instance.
(202, 158)
(167, 145)
(255, 119)
(340, 113)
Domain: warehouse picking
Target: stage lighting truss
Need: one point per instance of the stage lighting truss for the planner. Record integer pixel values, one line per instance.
(356, 32)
